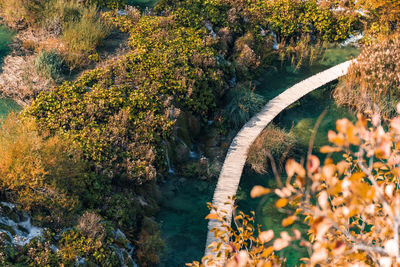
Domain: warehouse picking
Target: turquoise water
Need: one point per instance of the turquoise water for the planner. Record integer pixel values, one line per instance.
(278, 78)
(184, 202)
(182, 213)
(5, 39)
(6, 105)
(143, 3)
(299, 119)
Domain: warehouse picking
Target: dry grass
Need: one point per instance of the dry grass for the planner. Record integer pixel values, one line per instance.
(302, 53)
(274, 141)
(20, 81)
(373, 83)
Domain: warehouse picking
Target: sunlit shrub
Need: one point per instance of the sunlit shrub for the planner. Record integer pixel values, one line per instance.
(95, 249)
(373, 83)
(17, 11)
(44, 175)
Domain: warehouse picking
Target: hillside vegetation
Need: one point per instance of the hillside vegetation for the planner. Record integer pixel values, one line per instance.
(98, 144)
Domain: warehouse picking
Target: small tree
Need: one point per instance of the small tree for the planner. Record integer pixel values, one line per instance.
(351, 206)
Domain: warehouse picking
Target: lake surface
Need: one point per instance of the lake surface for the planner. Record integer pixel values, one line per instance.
(182, 212)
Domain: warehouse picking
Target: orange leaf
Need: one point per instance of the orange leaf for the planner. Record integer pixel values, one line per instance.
(281, 203)
(266, 236)
(259, 191)
(267, 252)
(288, 221)
(213, 216)
(313, 164)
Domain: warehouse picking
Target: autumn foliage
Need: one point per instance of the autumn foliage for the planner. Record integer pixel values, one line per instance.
(350, 205)
(373, 82)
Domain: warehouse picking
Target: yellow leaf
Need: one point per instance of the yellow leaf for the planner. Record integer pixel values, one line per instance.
(281, 203)
(259, 191)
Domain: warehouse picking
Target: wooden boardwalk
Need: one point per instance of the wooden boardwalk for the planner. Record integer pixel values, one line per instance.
(231, 172)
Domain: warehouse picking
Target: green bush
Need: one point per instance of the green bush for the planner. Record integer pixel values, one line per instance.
(113, 4)
(292, 19)
(243, 103)
(49, 64)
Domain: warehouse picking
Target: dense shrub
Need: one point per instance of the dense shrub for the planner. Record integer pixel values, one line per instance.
(90, 240)
(44, 175)
(114, 4)
(288, 18)
(49, 64)
(274, 142)
(294, 18)
(383, 15)
(373, 83)
(118, 114)
(243, 103)
(150, 243)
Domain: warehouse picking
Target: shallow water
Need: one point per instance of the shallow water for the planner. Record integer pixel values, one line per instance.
(143, 3)
(6, 105)
(5, 39)
(300, 120)
(182, 212)
(278, 79)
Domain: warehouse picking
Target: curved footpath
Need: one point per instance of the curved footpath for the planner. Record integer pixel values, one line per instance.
(231, 172)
